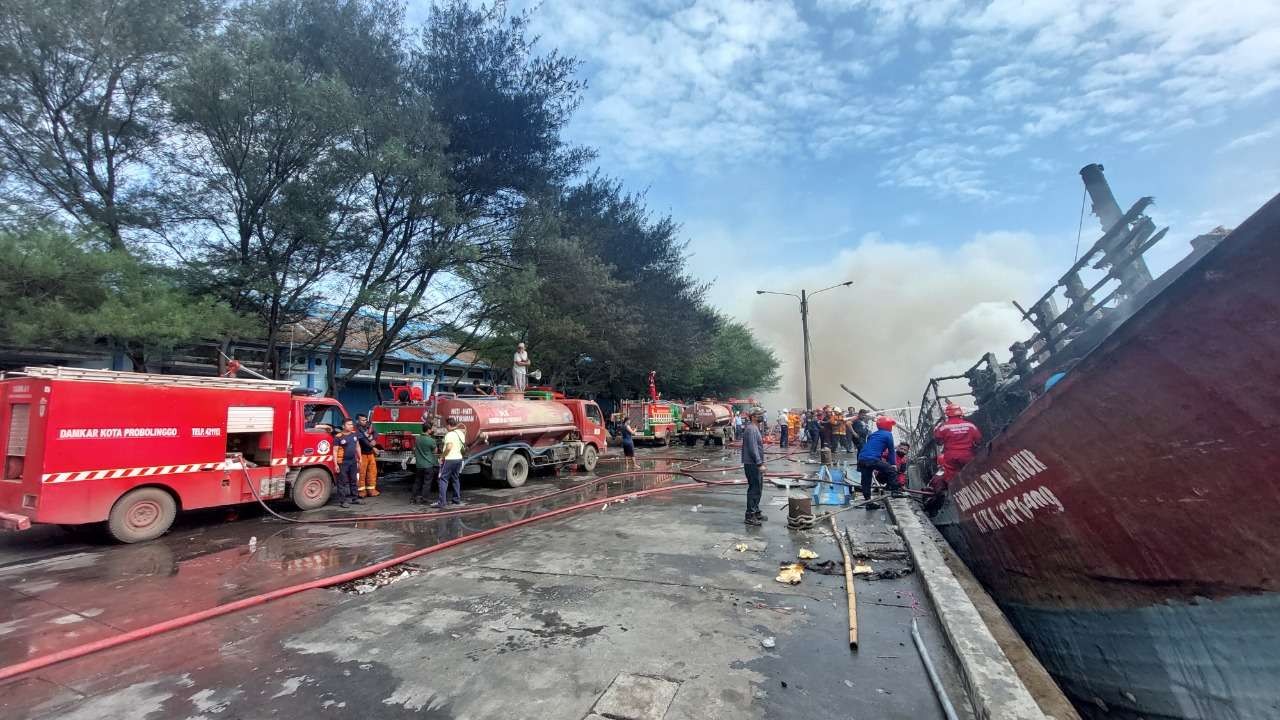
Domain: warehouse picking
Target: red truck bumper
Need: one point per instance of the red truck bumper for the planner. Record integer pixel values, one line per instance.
(11, 521)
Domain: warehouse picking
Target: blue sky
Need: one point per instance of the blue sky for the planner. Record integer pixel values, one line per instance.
(927, 150)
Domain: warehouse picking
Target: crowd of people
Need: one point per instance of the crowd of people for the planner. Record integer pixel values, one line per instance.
(878, 456)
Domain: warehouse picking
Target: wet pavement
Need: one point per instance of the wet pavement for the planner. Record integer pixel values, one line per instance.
(532, 622)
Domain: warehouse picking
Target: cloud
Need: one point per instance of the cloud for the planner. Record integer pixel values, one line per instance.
(707, 84)
(1256, 137)
(915, 311)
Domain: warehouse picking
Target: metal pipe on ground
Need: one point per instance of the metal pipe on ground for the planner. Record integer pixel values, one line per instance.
(947, 708)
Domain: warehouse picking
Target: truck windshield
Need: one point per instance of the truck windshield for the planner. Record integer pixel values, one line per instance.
(323, 418)
(593, 414)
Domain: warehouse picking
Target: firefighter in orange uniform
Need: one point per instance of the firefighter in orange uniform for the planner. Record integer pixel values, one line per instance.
(957, 439)
(369, 439)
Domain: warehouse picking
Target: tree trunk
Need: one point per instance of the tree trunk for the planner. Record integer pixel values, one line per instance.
(138, 357)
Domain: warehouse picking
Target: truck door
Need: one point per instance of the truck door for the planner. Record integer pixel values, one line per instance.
(250, 434)
(312, 442)
(593, 428)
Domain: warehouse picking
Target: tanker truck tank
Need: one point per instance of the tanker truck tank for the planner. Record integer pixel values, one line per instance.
(507, 437)
(710, 421)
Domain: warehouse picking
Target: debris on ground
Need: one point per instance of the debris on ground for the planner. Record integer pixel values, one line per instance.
(827, 568)
(380, 579)
(862, 570)
(740, 547)
(790, 573)
(768, 643)
(807, 554)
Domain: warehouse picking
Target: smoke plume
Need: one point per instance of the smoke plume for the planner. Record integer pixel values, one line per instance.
(913, 312)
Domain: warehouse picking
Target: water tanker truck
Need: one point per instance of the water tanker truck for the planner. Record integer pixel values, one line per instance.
(507, 436)
(709, 421)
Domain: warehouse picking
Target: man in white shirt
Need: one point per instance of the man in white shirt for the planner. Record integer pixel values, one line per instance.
(449, 481)
(520, 368)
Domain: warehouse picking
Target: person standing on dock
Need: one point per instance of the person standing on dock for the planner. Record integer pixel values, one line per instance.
(346, 449)
(752, 466)
(426, 468)
(860, 430)
(628, 445)
(369, 440)
(455, 440)
(871, 459)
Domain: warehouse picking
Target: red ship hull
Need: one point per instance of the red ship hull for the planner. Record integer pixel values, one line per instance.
(1127, 519)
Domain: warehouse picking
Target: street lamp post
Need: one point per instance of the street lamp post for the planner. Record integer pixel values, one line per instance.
(803, 297)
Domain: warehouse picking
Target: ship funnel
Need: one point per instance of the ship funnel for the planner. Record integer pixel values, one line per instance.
(1104, 203)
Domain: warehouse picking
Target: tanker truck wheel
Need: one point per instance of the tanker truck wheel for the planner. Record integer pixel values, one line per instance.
(311, 489)
(517, 470)
(589, 458)
(142, 514)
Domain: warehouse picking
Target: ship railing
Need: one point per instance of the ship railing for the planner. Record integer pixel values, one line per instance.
(933, 410)
(1120, 252)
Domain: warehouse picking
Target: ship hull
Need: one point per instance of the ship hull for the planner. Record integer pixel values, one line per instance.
(1126, 521)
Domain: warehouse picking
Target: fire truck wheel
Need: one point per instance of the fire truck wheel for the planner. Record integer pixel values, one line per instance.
(517, 470)
(311, 489)
(589, 458)
(142, 514)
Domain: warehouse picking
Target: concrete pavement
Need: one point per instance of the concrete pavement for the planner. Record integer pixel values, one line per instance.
(645, 605)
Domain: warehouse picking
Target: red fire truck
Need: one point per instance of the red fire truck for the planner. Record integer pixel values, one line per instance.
(537, 433)
(398, 422)
(132, 449)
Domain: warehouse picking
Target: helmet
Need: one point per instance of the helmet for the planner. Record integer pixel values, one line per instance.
(953, 410)
(885, 423)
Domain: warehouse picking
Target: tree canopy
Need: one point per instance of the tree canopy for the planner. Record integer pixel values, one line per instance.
(221, 171)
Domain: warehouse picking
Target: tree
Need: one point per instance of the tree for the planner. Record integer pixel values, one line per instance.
(65, 291)
(262, 165)
(666, 309)
(735, 363)
(81, 112)
(563, 300)
(450, 161)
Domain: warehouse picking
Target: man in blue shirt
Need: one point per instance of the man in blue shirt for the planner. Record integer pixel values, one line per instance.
(752, 464)
(346, 446)
(877, 455)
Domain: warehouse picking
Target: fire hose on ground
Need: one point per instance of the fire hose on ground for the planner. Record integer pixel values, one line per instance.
(155, 629)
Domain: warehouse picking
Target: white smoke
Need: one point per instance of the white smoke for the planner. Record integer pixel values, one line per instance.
(914, 312)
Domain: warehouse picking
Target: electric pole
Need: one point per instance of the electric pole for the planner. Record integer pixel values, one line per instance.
(803, 297)
(804, 326)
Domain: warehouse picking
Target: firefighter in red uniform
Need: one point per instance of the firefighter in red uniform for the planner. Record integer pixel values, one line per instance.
(957, 438)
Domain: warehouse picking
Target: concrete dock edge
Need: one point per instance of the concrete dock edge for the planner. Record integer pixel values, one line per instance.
(994, 687)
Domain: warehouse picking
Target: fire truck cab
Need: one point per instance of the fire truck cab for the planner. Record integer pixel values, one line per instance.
(133, 449)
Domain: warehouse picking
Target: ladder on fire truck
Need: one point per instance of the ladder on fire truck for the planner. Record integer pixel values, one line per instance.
(151, 379)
